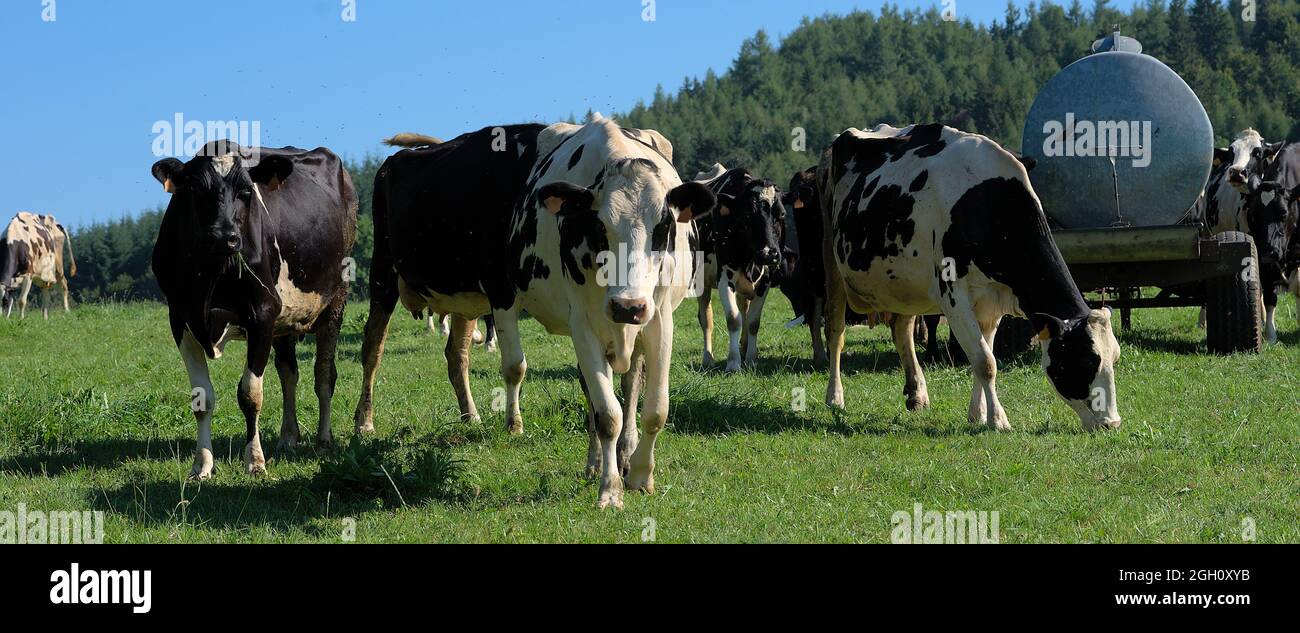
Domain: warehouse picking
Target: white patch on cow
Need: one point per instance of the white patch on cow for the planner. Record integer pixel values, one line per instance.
(299, 308)
(713, 173)
(223, 164)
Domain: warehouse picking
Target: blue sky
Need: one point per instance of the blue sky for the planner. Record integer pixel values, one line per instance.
(82, 93)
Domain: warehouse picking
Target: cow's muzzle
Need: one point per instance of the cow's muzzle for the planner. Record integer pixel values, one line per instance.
(628, 311)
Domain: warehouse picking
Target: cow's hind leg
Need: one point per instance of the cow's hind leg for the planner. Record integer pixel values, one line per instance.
(918, 397)
(513, 366)
(372, 352)
(63, 286)
(286, 365)
(593, 441)
(490, 331)
(457, 353)
(203, 400)
(326, 370)
(632, 380)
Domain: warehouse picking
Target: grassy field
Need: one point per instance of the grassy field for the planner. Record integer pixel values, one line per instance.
(94, 415)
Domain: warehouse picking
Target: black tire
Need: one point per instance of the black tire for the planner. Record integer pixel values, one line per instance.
(1233, 317)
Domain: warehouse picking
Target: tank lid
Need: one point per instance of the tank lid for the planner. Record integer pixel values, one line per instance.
(1117, 43)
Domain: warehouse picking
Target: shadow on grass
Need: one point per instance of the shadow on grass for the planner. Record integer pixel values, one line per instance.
(1162, 341)
(712, 416)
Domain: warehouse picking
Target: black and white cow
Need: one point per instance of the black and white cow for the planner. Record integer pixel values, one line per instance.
(256, 249)
(928, 219)
(31, 252)
(1273, 210)
(601, 251)
(442, 216)
(741, 241)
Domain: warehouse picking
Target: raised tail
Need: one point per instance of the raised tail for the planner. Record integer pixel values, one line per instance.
(411, 140)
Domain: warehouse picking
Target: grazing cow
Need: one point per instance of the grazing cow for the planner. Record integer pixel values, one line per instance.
(32, 252)
(929, 219)
(442, 215)
(741, 241)
(601, 251)
(1272, 217)
(255, 249)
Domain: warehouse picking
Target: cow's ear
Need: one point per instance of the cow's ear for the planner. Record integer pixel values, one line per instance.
(691, 200)
(1047, 326)
(802, 196)
(271, 172)
(1271, 150)
(1222, 155)
(168, 173)
(566, 197)
(1028, 161)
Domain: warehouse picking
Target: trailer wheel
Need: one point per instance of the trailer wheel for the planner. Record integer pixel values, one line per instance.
(1233, 320)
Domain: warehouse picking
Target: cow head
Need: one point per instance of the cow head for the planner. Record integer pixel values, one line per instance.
(1244, 159)
(755, 222)
(1079, 358)
(216, 190)
(631, 215)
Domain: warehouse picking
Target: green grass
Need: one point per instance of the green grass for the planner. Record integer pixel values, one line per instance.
(94, 415)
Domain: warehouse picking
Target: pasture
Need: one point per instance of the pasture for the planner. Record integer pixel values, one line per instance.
(94, 415)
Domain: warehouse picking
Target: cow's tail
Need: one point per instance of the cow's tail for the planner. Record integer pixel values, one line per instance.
(411, 140)
(72, 259)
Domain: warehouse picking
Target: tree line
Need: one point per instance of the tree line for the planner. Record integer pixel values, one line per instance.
(781, 103)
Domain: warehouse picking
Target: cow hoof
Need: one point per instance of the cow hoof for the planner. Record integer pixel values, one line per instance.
(325, 444)
(610, 498)
(202, 470)
(515, 425)
(916, 403)
(287, 443)
(368, 427)
(733, 367)
(254, 460)
(491, 346)
(1000, 425)
(835, 399)
(707, 361)
(641, 477)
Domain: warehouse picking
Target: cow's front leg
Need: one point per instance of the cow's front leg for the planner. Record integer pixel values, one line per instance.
(731, 308)
(326, 373)
(918, 397)
(753, 321)
(203, 400)
(631, 384)
(286, 365)
(1270, 311)
(457, 354)
(513, 366)
(608, 414)
(657, 340)
(22, 297)
(705, 316)
(250, 397)
(962, 322)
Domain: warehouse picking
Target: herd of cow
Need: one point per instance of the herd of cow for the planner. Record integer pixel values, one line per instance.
(589, 230)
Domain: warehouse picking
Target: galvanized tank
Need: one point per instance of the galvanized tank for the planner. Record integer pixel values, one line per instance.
(1157, 161)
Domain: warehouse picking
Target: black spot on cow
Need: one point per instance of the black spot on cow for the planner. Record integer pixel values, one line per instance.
(997, 226)
(1074, 361)
(580, 234)
(919, 182)
(577, 156)
(879, 231)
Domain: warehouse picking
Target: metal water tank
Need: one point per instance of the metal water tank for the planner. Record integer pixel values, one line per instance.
(1120, 140)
